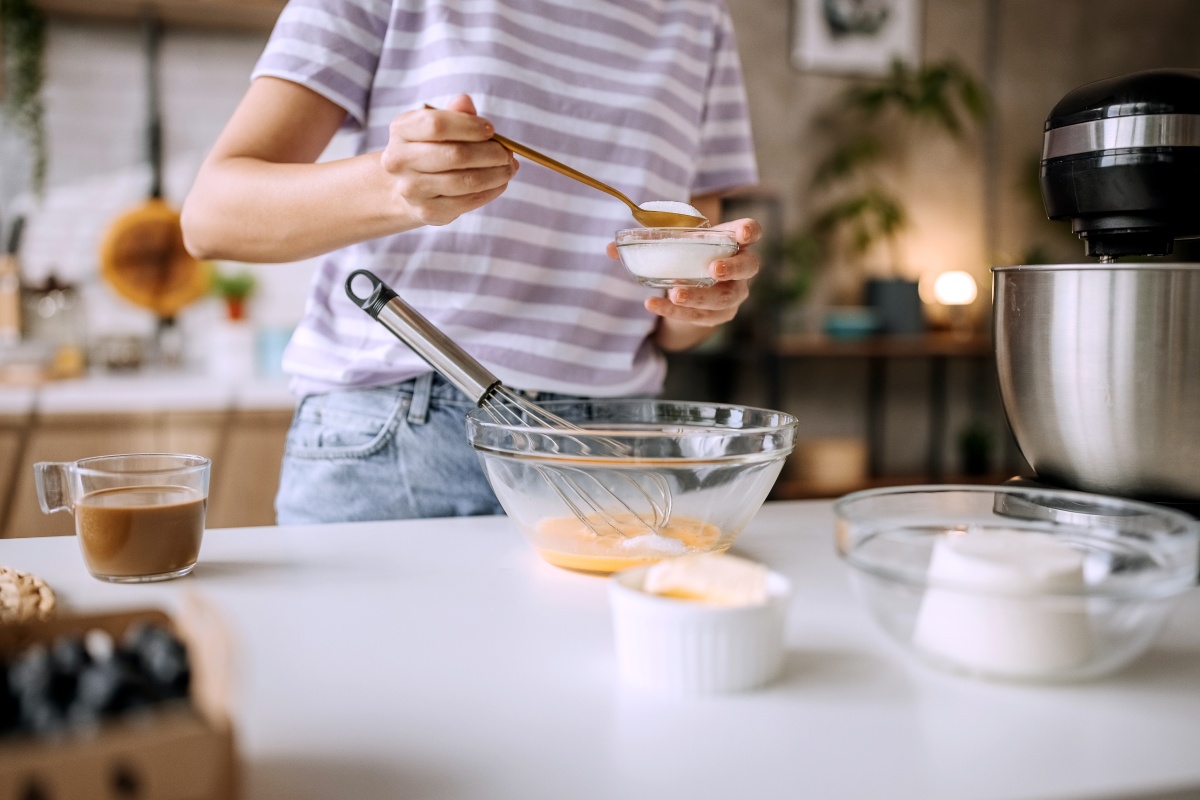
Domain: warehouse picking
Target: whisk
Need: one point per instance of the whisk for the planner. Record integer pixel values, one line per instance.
(605, 506)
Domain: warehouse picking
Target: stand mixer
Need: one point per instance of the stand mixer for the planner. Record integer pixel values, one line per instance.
(1099, 363)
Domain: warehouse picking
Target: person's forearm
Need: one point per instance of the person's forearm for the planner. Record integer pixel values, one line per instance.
(247, 209)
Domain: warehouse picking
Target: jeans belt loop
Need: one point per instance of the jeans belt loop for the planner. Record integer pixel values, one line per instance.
(418, 410)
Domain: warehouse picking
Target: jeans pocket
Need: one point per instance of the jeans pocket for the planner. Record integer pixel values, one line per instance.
(345, 425)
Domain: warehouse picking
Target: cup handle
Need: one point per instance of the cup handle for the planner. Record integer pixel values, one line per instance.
(50, 478)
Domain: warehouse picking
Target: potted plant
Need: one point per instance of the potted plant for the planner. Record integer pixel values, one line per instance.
(22, 47)
(234, 288)
(857, 210)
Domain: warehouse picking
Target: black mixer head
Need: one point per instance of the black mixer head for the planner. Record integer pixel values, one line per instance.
(1121, 162)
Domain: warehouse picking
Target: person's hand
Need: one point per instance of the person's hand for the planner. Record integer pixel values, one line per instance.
(444, 163)
(714, 305)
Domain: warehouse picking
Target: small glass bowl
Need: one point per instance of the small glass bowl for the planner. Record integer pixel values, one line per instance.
(1016, 583)
(696, 472)
(666, 257)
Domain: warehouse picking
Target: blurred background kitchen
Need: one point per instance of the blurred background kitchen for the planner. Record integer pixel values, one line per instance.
(898, 143)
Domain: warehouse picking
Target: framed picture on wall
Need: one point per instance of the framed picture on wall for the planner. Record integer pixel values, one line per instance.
(855, 37)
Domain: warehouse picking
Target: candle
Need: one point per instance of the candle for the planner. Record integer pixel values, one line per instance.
(993, 607)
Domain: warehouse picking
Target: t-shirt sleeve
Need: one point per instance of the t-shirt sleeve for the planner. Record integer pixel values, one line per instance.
(331, 47)
(727, 159)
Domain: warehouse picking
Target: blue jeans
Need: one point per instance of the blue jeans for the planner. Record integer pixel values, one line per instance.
(387, 452)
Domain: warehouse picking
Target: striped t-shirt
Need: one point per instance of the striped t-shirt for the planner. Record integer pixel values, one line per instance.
(645, 95)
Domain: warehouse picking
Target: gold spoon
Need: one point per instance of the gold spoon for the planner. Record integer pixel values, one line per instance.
(651, 219)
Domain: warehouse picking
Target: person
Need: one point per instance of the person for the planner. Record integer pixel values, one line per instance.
(513, 261)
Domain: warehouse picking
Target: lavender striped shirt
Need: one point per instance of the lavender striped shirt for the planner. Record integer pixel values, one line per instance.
(646, 95)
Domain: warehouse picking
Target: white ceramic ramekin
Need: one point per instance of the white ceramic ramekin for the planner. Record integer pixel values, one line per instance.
(682, 647)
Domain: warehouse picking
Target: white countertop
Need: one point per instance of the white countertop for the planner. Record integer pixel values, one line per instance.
(441, 659)
(146, 392)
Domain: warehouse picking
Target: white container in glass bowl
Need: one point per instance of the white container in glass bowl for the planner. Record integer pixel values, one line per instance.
(1016, 583)
(680, 647)
(667, 257)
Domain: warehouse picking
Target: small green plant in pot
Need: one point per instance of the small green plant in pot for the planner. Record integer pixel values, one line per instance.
(235, 288)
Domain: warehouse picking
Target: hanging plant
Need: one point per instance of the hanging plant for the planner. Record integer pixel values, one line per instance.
(22, 45)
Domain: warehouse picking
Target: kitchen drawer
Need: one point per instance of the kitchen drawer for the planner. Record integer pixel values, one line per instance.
(245, 474)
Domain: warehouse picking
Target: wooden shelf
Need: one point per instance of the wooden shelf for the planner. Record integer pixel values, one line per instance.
(253, 15)
(933, 343)
(786, 489)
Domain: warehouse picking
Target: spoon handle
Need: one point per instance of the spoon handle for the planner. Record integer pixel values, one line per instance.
(557, 166)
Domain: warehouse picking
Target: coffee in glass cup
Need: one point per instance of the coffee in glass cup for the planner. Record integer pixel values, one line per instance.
(139, 517)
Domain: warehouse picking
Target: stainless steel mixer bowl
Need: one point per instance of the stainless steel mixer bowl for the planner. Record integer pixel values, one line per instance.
(1099, 371)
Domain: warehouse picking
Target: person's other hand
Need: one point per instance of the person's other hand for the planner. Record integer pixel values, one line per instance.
(444, 163)
(714, 305)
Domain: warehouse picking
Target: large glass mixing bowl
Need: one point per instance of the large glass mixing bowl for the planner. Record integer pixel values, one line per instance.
(1016, 583)
(635, 481)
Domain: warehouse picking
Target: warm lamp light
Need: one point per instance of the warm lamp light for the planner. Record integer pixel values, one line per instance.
(955, 288)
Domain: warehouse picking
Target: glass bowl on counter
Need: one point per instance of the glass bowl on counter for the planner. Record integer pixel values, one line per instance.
(636, 481)
(1016, 583)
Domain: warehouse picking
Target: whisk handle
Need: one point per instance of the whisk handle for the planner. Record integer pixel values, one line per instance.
(434, 347)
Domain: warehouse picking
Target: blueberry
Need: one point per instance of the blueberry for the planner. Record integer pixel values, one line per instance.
(98, 689)
(161, 657)
(69, 655)
(31, 672)
(143, 634)
(165, 663)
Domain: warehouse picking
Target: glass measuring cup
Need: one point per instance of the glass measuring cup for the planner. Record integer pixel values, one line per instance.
(139, 517)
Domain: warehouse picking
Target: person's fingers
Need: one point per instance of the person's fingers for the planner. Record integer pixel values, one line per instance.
(697, 316)
(712, 305)
(462, 103)
(443, 210)
(721, 295)
(746, 231)
(741, 266)
(454, 183)
(429, 157)
(440, 125)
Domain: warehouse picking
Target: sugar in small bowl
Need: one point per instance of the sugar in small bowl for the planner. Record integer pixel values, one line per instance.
(706, 623)
(667, 257)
